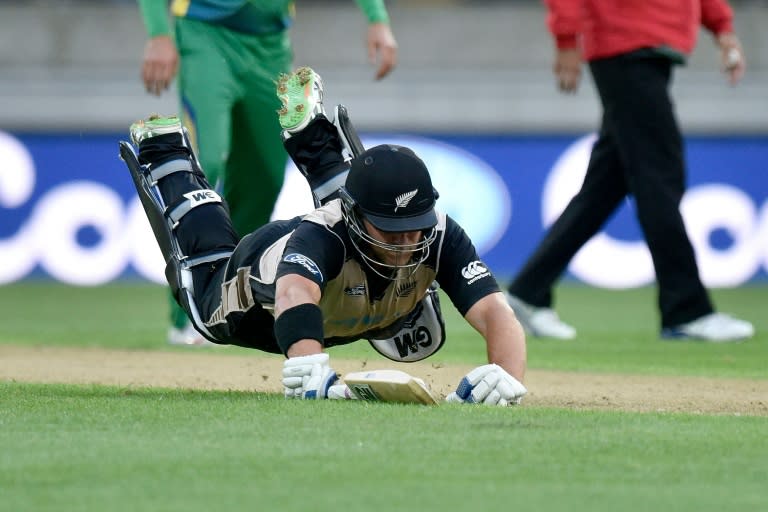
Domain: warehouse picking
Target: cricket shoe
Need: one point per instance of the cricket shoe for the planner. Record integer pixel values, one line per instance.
(187, 336)
(540, 322)
(153, 126)
(715, 327)
(301, 93)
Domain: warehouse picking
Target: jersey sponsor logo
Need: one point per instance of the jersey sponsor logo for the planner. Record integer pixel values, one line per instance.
(307, 263)
(474, 271)
(203, 196)
(411, 341)
(405, 289)
(402, 200)
(355, 291)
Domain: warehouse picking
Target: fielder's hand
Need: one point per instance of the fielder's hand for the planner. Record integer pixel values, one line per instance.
(488, 384)
(732, 57)
(160, 64)
(567, 69)
(308, 377)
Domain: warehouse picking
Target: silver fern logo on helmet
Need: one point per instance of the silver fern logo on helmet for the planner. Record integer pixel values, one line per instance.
(402, 200)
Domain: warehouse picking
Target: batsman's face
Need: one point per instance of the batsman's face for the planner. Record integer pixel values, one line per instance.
(392, 257)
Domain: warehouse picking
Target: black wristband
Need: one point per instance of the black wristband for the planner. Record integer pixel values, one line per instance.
(298, 323)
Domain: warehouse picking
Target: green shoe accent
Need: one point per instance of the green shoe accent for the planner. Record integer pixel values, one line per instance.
(301, 93)
(153, 126)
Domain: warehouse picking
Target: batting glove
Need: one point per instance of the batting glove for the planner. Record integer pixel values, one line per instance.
(488, 384)
(308, 377)
(340, 392)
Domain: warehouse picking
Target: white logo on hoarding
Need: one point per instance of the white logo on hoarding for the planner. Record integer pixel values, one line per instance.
(49, 236)
(611, 263)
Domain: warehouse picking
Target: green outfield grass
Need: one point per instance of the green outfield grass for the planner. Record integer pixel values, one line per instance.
(98, 448)
(106, 449)
(618, 329)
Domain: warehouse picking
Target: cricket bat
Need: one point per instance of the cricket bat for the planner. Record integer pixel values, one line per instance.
(389, 386)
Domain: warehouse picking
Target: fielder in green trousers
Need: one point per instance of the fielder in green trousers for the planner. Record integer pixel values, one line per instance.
(227, 56)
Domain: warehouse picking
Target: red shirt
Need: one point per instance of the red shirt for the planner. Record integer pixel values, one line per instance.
(605, 28)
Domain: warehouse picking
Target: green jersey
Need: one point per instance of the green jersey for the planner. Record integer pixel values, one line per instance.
(248, 16)
(254, 17)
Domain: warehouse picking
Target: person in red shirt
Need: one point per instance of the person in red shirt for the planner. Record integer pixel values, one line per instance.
(630, 47)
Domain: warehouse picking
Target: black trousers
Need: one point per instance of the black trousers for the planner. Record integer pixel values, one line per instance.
(639, 152)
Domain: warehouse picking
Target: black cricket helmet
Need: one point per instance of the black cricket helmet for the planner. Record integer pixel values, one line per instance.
(390, 187)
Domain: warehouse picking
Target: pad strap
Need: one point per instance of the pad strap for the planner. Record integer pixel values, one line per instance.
(304, 321)
(206, 258)
(191, 200)
(171, 167)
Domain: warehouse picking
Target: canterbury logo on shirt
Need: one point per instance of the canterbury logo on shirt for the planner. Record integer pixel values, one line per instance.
(474, 271)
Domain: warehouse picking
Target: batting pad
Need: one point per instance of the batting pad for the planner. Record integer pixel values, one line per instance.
(389, 386)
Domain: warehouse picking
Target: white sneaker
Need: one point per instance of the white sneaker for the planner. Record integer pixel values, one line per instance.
(717, 327)
(540, 322)
(187, 336)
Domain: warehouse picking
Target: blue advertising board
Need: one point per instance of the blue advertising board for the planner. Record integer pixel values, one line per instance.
(68, 210)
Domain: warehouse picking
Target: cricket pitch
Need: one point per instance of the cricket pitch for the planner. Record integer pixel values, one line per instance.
(215, 369)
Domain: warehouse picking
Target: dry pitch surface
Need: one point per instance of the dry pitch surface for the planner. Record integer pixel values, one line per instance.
(209, 370)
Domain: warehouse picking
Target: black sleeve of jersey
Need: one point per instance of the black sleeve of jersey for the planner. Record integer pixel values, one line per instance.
(313, 251)
(461, 273)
